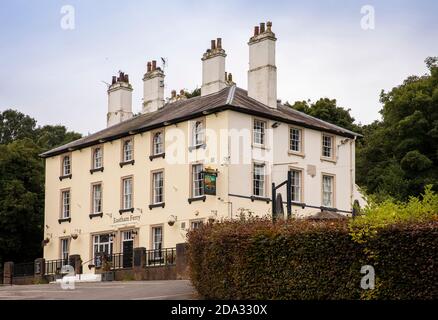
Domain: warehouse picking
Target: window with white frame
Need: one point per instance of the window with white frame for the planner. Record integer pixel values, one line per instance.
(127, 193)
(158, 143)
(102, 243)
(198, 132)
(295, 140)
(65, 244)
(197, 180)
(97, 158)
(128, 150)
(259, 132)
(259, 180)
(157, 241)
(327, 146)
(97, 198)
(65, 208)
(158, 186)
(196, 224)
(66, 166)
(296, 185)
(327, 190)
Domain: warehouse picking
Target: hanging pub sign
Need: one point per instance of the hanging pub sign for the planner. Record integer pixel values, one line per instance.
(210, 177)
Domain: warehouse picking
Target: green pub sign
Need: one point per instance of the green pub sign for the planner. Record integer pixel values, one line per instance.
(210, 178)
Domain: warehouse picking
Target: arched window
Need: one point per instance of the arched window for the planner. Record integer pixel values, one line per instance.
(66, 166)
(158, 144)
(97, 158)
(127, 150)
(198, 133)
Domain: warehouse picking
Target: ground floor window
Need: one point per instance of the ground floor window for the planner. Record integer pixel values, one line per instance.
(196, 224)
(296, 185)
(157, 241)
(102, 243)
(65, 244)
(327, 191)
(258, 180)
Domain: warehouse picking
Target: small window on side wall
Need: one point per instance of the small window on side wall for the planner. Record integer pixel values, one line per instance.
(66, 166)
(98, 158)
(128, 150)
(327, 146)
(158, 143)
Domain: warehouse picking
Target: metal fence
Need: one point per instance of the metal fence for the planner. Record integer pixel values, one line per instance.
(163, 257)
(54, 266)
(24, 269)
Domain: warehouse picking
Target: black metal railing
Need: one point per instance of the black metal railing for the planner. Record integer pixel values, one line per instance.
(54, 266)
(162, 257)
(24, 269)
(120, 261)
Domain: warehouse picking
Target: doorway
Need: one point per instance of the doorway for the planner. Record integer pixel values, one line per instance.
(127, 248)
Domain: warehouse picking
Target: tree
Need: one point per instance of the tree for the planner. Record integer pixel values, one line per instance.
(22, 183)
(15, 125)
(327, 110)
(399, 155)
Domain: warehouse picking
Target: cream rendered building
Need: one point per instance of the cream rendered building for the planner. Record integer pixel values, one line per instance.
(140, 181)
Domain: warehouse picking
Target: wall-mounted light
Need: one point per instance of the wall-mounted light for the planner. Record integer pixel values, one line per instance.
(171, 220)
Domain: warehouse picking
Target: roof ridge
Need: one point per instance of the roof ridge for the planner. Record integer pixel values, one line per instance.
(231, 93)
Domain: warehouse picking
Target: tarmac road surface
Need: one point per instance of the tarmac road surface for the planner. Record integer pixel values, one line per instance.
(129, 290)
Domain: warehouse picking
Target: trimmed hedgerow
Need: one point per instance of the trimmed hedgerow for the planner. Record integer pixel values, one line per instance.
(303, 259)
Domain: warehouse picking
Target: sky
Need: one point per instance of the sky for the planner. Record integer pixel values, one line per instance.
(56, 75)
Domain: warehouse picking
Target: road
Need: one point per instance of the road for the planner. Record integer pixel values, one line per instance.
(130, 290)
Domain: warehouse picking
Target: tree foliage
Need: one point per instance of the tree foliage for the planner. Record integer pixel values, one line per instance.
(399, 154)
(22, 183)
(327, 109)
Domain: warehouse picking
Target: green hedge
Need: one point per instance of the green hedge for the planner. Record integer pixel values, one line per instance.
(311, 260)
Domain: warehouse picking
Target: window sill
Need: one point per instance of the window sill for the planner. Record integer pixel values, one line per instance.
(122, 211)
(157, 205)
(202, 198)
(295, 153)
(330, 209)
(96, 215)
(96, 170)
(199, 146)
(328, 159)
(64, 220)
(69, 176)
(157, 156)
(259, 146)
(127, 163)
(256, 198)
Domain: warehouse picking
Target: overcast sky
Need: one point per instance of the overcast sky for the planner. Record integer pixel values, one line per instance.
(56, 75)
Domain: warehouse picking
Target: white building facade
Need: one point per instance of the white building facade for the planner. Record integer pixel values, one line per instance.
(145, 181)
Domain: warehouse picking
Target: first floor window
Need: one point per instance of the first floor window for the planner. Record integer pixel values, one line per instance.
(127, 193)
(327, 146)
(102, 243)
(259, 180)
(127, 150)
(157, 184)
(259, 132)
(65, 210)
(64, 249)
(296, 185)
(197, 180)
(66, 166)
(97, 158)
(327, 191)
(97, 198)
(295, 140)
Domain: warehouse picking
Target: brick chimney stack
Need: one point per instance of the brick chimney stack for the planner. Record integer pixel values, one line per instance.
(262, 74)
(119, 100)
(153, 88)
(213, 68)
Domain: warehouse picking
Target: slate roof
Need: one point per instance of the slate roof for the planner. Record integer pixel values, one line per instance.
(230, 98)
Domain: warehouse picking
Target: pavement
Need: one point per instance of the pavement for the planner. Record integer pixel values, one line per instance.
(128, 290)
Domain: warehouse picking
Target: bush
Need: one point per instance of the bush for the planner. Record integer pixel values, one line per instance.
(302, 259)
